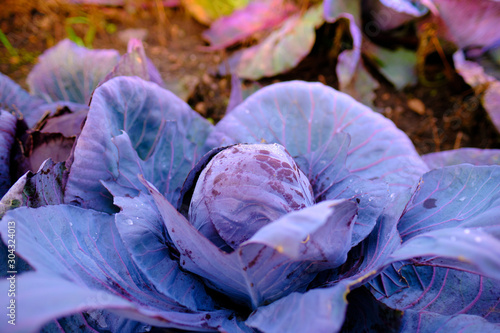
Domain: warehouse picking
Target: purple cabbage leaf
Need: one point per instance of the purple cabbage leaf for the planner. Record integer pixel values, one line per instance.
(68, 72)
(81, 252)
(426, 321)
(46, 187)
(448, 261)
(265, 222)
(68, 122)
(390, 14)
(15, 99)
(472, 24)
(257, 16)
(485, 84)
(337, 165)
(280, 51)
(330, 179)
(39, 147)
(463, 196)
(135, 63)
(327, 304)
(285, 47)
(348, 60)
(166, 134)
(7, 133)
(303, 117)
(473, 156)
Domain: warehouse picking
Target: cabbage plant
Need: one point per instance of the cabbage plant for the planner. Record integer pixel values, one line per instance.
(302, 210)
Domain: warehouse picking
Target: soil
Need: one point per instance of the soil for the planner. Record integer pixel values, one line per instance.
(435, 117)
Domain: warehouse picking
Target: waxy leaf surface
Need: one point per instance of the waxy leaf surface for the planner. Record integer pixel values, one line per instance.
(80, 252)
(473, 156)
(68, 72)
(166, 134)
(464, 196)
(7, 132)
(15, 99)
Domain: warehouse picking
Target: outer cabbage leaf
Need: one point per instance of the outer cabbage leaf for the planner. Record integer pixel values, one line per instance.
(451, 234)
(280, 51)
(16, 99)
(94, 320)
(469, 22)
(141, 228)
(424, 321)
(318, 310)
(323, 309)
(7, 132)
(236, 96)
(20, 267)
(68, 72)
(245, 274)
(80, 252)
(462, 249)
(46, 187)
(55, 109)
(135, 63)
(68, 124)
(348, 59)
(362, 86)
(14, 196)
(304, 116)
(445, 291)
(330, 179)
(389, 14)
(243, 23)
(473, 156)
(41, 146)
(464, 196)
(485, 85)
(167, 135)
(52, 301)
(130, 166)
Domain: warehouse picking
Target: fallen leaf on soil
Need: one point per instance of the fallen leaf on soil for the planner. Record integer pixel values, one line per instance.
(417, 106)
